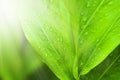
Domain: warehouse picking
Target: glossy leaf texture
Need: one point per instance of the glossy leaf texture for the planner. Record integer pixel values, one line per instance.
(109, 69)
(72, 37)
(51, 38)
(99, 34)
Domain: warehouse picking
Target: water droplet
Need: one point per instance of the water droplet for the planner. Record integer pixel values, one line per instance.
(95, 68)
(85, 19)
(99, 48)
(82, 14)
(86, 33)
(97, 40)
(51, 0)
(81, 41)
(110, 3)
(59, 39)
(81, 63)
(46, 55)
(95, 1)
(119, 10)
(88, 4)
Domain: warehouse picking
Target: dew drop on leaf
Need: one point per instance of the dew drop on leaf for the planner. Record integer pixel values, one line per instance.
(86, 33)
(95, 68)
(88, 4)
(95, 1)
(110, 3)
(81, 63)
(85, 19)
(81, 41)
(97, 40)
(51, 1)
(46, 55)
(99, 48)
(82, 14)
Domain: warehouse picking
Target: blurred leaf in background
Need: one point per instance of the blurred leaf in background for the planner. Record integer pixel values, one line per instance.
(42, 73)
(17, 58)
(10, 42)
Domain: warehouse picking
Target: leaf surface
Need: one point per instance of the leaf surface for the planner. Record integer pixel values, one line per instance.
(99, 35)
(108, 70)
(80, 34)
(51, 38)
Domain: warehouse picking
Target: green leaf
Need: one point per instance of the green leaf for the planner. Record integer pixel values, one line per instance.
(52, 38)
(80, 34)
(109, 69)
(99, 33)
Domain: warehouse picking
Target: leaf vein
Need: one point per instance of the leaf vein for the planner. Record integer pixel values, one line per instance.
(89, 20)
(101, 40)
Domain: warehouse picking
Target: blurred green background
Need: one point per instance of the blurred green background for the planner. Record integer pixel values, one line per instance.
(18, 60)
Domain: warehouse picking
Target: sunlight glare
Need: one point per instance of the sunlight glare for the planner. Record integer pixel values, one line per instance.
(8, 9)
